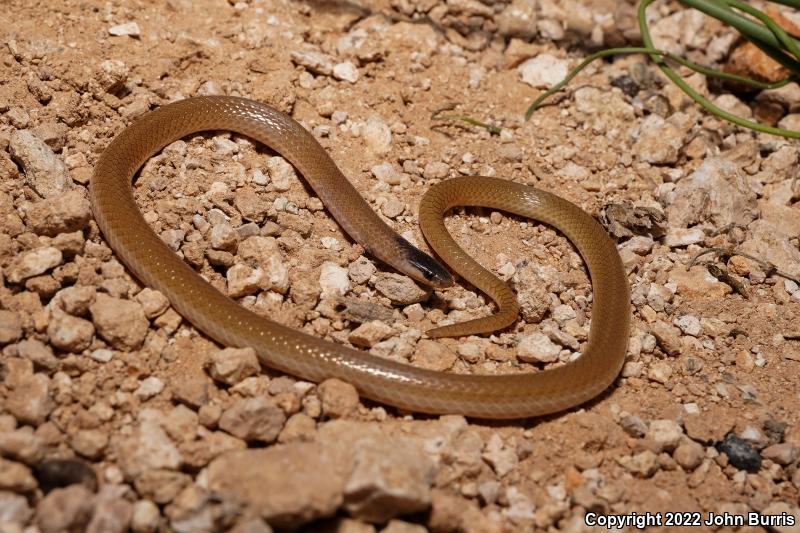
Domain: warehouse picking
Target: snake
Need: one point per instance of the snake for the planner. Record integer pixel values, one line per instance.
(409, 388)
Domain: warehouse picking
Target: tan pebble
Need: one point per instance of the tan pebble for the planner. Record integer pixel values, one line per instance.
(299, 427)
(744, 361)
(90, 443)
(537, 348)
(391, 477)
(10, 326)
(433, 356)
(43, 170)
(120, 322)
(689, 454)
(784, 453)
(33, 263)
(660, 372)
(633, 425)
(149, 387)
(698, 284)
(339, 399)
(169, 320)
(128, 28)
(224, 237)
(153, 302)
(698, 428)
(253, 419)
(243, 280)
(316, 62)
(668, 337)
(436, 170)
(16, 477)
(31, 402)
(69, 333)
(393, 207)
(739, 265)
(65, 509)
(257, 478)
(21, 444)
(573, 479)
(370, 333)
(643, 464)
(414, 312)
(470, 352)
(66, 213)
(386, 173)
(208, 415)
(665, 433)
(361, 270)
(232, 365)
(502, 458)
(281, 173)
(400, 289)
(632, 369)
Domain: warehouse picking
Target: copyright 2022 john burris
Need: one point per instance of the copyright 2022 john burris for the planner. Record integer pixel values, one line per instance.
(688, 519)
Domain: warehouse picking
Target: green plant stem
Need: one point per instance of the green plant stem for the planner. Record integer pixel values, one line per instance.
(652, 51)
(437, 115)
(790, 3)
(784, 38)
(759, 35)
(694, 95)
(720, 10)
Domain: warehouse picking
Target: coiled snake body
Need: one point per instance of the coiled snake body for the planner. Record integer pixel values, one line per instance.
(294, 352)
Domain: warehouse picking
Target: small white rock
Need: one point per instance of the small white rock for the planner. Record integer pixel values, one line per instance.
(346, 72)
(281, 173)
(386, 173)
(316, 62)
(333, 280)
(145, 516)
(666, 433)
(331, 243)
(543, 71)
(33, 263)
(660, 372)
(259, 178)
(149, 388)
(689, 325)
(677, 237)
(129, 28)
(790, 286)
(377, 136)
(370, 333)
(562, 313)
(102, 355)
(537, 348)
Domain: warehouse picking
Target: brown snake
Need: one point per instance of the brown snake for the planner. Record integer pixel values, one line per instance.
(294, 352)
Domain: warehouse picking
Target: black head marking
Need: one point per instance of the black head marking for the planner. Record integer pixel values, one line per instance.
(428, 270)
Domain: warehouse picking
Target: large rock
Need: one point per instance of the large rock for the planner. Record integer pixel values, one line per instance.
(44, 171)
(354, 465)
(717, 192)
(288, 485)
(122, 323)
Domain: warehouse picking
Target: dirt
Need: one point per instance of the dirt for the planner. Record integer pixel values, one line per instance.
(714, 352)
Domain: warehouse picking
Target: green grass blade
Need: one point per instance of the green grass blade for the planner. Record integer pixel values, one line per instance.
(694, 95)
(652, 51)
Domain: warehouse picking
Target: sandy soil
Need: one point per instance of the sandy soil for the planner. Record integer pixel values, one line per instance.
(160, 429)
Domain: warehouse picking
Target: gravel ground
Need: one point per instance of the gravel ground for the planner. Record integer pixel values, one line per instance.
(116, 415)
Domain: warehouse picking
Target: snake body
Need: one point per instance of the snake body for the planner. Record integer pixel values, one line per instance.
(277, 346)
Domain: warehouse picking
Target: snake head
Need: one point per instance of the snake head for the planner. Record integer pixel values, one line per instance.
(424, 268)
